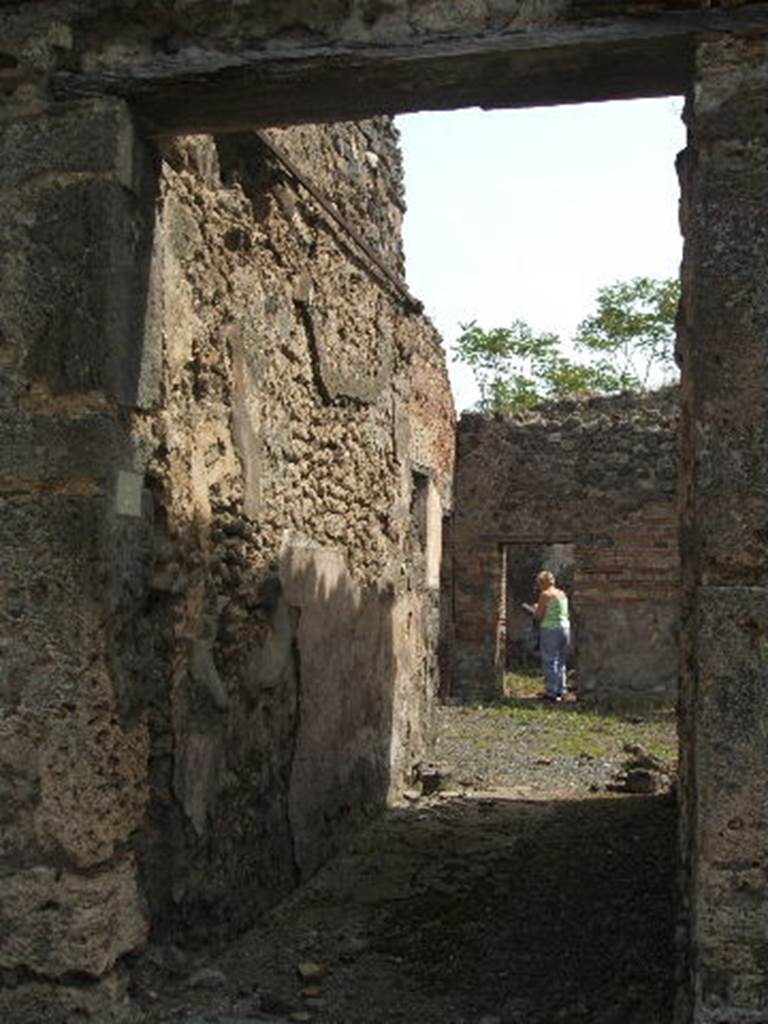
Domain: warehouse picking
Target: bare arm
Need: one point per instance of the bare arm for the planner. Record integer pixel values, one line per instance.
(541, 607)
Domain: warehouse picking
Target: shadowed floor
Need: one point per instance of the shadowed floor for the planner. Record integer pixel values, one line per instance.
(481, 909)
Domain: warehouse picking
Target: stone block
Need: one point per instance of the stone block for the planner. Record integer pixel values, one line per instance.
(20, 740)
(731, 827)
(75, 252)
(726, 303)
(88, 138)
(731, 723)
(725, 179)
(56, 923)
(74, 576)
(74, 771)
(72, 779)
(92, 781)
(729, 95)
(728, 320)
(43, 450)
(86, 273)
(52, 569)
(730, 994)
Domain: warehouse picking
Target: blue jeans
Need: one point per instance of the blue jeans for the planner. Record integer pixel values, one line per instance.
(554, 659)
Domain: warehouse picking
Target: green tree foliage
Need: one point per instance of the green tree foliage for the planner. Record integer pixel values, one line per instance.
(621, 346)
(635, 324)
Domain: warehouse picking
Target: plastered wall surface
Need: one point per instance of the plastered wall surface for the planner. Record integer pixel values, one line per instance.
(599, 476)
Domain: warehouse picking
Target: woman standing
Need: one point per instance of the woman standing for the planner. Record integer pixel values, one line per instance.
(551, 612)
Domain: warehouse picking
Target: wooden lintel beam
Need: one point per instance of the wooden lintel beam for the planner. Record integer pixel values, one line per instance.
(210, 90)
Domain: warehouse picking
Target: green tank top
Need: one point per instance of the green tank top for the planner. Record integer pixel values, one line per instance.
(556, 615)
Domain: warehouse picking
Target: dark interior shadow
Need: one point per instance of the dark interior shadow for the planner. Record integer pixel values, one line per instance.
(540, 911)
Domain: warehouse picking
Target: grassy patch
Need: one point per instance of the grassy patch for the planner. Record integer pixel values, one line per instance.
(573, 729)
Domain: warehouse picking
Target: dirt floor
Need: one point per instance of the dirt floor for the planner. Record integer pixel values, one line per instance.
(523, 892)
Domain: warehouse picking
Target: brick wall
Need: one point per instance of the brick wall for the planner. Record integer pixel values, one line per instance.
(627, 600)
(600, 476)
(638, 562)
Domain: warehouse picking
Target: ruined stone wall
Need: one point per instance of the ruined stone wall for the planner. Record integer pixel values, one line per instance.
(82, 595)
(206, 66)
(302, 635)
(595, 479)
(220, 418)
(75, 548)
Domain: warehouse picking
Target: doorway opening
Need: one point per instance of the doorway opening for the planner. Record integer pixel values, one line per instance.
(524, 561)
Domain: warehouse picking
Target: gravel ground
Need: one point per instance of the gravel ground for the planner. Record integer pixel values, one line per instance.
(526, 744)
(522, 892)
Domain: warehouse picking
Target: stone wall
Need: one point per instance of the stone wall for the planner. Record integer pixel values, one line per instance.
(283, 464)
(724, 702)
(588, 489)
(206, 66)
(79, 596)
(222, 423)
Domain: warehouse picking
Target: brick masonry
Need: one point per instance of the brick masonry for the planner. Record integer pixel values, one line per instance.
(599, 477)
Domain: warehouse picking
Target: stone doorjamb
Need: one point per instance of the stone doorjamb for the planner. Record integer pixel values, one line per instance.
(724, 513)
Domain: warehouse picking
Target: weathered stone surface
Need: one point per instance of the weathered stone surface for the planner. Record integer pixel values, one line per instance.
(56, 923)
(93, 786)
(345, 650)
(300, 459)
(724, 176)
(72, 785)
(103, 1002)
(46, 451)
(52, 603)
(276, 698)
(267, 65)
(92, 138)
(729, 898)
(74, 253)
(630, 650)
(479, 623)
(260, 440)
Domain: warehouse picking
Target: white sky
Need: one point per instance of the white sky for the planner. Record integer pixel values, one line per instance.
(527, 213)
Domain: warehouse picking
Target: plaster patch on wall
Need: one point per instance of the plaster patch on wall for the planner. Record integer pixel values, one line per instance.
(128, 493)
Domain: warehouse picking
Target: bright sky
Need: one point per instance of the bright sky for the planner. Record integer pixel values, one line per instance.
(527, 213)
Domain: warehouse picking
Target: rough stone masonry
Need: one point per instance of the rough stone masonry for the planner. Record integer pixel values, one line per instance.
(222, 654)
(107, 500)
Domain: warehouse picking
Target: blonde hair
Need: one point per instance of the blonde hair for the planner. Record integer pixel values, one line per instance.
(545, 579)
